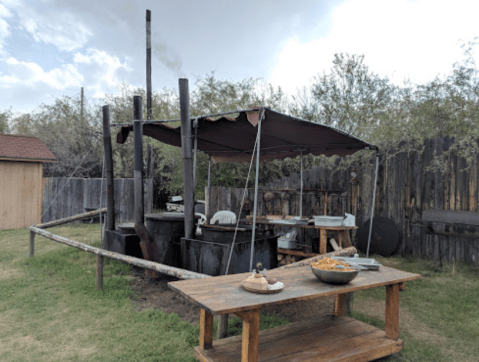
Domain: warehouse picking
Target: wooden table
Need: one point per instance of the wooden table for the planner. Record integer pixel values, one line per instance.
(331, 338)
(344, 239)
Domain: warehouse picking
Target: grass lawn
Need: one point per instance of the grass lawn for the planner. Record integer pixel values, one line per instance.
(50, 310)
(439, 314)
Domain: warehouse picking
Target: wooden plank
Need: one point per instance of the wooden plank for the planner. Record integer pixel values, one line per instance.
(296, 253)
(317, 339)
(323, 241)
(392, 311)
(250, 336)
(224, 294)
(339, 304)
(206, 330)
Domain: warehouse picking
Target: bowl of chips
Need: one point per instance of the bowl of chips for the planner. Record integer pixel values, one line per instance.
(334, 271)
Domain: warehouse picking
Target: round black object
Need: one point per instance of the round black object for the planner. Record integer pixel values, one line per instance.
(384, 238)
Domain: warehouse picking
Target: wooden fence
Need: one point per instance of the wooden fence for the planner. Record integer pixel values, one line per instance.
(405, 188)
(63, 198)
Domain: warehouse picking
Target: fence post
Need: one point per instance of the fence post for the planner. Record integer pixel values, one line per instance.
(31, 250)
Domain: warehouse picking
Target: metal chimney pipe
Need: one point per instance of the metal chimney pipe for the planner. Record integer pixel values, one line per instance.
(110, 202)
(139, 214)
(186, 148)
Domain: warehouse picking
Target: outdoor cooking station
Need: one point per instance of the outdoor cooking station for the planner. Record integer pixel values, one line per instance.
(266, 135)
(257, 133)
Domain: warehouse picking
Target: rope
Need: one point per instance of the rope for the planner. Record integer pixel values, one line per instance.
(66, 183)
(241, 208)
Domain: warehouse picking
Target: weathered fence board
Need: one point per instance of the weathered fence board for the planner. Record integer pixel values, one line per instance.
(63, 197)
(405, 188)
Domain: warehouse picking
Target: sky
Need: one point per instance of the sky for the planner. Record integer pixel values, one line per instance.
(52, 48)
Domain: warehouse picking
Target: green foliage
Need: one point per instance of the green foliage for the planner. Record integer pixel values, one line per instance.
(5, 120)
(349, 97)
(75, 142)
(51, 311)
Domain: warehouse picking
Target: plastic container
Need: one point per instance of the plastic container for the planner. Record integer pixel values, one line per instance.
(284, 243)
(328, 220)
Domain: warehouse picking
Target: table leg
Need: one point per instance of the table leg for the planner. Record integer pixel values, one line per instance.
(206, 329)
(339, 303)
(222, 326)
(344, 240)
(250, 338)
(323, 241)
(392, 311)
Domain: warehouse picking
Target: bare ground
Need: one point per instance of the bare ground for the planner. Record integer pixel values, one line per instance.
(156, 294)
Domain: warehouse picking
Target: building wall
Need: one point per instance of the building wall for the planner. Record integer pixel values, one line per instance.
(20, 194)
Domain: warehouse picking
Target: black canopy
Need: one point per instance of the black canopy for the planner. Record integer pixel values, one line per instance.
(230, 139)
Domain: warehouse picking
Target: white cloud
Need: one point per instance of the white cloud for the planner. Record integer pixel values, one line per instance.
(60, 28)
(102, 69)
(399, 38)
(32, 75)
(4, 27)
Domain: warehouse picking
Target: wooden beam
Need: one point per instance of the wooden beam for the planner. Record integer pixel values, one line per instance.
(339, 303)
(164, 269)
(31, 250)
(392, 311)
(323, 241)
(66, 220)
(206, 330)
(250, 337)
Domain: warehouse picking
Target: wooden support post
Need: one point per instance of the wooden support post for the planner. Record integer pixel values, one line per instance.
(99, 272)
(250, 337)
(323, 241)
(206, 329)
(339, 302)
(392, 311)
(402, 287)
(222, 326)
(31, 250)
(349, 304)
(107, 148)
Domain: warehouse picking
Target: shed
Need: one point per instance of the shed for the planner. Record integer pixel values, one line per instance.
(21, 180)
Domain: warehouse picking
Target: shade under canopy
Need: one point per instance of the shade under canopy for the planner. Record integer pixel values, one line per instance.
(230, 139)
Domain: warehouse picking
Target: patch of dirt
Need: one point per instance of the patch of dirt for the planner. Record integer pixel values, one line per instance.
(154, 293)
(9, 274)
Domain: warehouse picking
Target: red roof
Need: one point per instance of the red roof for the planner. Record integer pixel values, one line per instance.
(23, 148)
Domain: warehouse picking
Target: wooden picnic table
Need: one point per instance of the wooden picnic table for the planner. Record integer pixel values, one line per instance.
(330, 338)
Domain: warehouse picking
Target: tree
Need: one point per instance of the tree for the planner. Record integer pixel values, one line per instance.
(76, 144)
(349, 97)
(5, 120)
